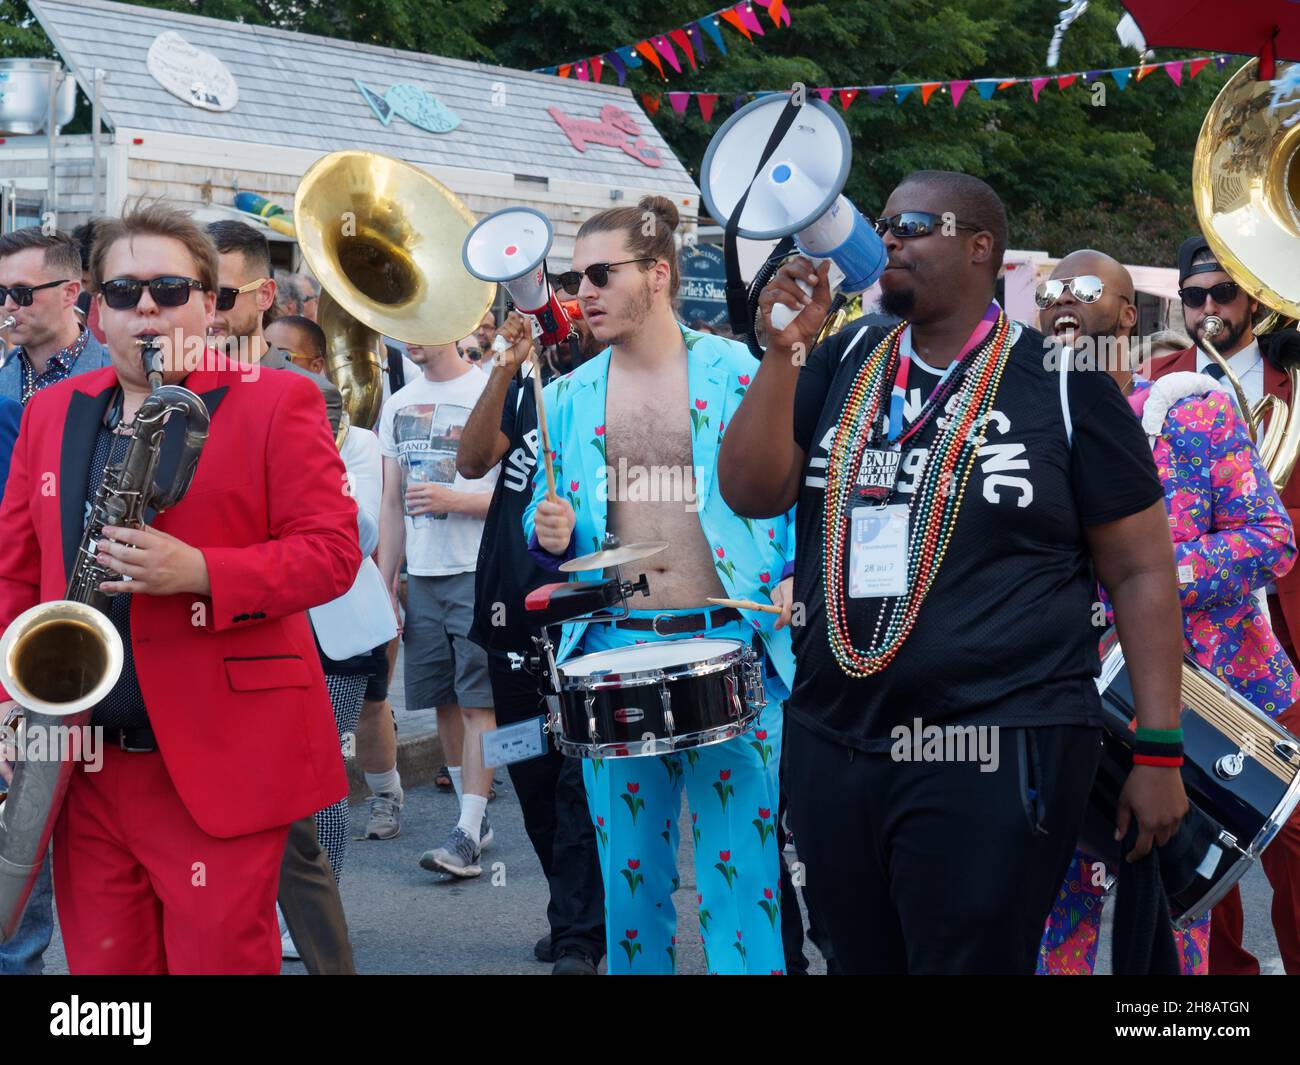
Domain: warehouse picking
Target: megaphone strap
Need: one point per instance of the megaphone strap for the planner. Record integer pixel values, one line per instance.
(737, 292)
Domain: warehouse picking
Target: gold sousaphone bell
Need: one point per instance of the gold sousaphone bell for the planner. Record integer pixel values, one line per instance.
(383, 238)
(1246, 188)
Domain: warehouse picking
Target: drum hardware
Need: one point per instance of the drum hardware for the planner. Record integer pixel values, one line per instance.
(611, 557)
(1230, 765)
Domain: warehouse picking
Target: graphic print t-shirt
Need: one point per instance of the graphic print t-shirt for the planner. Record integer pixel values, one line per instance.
(421, 427)
(1005, 635)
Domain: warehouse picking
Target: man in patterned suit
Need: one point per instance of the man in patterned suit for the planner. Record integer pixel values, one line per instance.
(657, 401)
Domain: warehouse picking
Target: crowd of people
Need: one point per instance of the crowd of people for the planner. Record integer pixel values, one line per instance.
(958, 501)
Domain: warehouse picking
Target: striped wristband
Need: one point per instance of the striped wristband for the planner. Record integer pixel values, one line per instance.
(1159, 747)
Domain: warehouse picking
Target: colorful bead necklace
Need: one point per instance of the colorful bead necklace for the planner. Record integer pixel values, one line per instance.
(934, 506)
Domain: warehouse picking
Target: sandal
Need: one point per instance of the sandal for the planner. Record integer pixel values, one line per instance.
(442, 779)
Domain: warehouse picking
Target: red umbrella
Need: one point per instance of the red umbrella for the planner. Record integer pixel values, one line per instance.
(1269, 29)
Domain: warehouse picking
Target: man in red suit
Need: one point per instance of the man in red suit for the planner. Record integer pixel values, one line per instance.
(219, 733)
(1207, 289)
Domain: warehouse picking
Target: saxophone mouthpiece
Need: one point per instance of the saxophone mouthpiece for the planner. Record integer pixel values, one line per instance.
(151, 355)
(7, 323)
(1212, 326)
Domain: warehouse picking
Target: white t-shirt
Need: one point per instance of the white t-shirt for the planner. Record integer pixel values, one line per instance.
(421, 426)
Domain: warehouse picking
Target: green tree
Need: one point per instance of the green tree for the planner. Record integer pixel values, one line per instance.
(1083, 165)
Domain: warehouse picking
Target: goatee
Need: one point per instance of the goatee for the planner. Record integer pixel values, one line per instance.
(898, 302)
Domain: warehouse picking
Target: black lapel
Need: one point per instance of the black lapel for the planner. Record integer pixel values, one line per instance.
(85, 415)
(174, 440)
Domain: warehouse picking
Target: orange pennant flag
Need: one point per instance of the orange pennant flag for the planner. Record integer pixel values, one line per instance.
(564, 70)
(1144, 71)
(650, 102)
(927, 90)
(646, 49)
(734, 20)
(1006, 84)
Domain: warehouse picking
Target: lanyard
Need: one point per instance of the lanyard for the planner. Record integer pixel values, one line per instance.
(893, 427)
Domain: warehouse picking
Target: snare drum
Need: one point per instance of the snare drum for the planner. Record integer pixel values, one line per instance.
(1240, 768)
(656, 698)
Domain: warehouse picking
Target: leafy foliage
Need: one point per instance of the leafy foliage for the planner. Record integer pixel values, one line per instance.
(1055, 163)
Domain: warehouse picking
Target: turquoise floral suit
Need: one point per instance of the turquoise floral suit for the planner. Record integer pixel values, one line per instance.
(732, 787)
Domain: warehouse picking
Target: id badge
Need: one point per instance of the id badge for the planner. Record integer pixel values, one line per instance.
(878, 552)
(877, 474)
(514, 743)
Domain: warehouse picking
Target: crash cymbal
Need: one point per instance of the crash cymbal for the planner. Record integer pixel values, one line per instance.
(615, 556)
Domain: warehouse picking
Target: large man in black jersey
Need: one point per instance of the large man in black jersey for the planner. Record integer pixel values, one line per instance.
(955, 494)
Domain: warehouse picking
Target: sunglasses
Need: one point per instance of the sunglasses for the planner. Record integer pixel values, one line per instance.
(123, 293)
(22, 294)
(1223, 293)
(907, 224)
(298, 358)
(226, 296)
(1086, 288)
(597, 273)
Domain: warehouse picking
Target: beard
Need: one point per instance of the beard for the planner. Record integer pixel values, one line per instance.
(1228, 338)
(898, 302)
(638, 310)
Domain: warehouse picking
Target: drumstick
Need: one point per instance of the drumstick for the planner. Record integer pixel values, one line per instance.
(745, 604)
(541, 424)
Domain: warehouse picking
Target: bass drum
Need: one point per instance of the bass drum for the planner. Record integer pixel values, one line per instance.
(1240, 768)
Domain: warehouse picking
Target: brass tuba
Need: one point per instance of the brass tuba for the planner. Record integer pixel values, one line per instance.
(383, 238)
(58, 659)
(1246, 188)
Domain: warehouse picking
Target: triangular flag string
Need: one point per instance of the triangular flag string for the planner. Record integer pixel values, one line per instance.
(927, 90)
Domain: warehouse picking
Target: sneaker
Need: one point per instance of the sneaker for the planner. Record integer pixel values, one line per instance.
(485, 834)
(287, 947)
(544, 949)
(384, 821)
(574, 962)
(458, 856)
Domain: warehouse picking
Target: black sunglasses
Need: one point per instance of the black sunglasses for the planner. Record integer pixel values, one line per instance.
(915, 224)
(597, 273)
(123, 293)
(22, 294)
(226, 296)
(1222, 293)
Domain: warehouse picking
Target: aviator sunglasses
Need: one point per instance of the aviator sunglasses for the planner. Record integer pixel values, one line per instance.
(907, 224)
(1086, 288)
(597, 273)
(22, 294)
(1223, 293)
(123, 293)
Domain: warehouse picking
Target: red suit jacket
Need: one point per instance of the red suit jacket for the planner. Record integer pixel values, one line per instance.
(1276, 383)
(232, 681)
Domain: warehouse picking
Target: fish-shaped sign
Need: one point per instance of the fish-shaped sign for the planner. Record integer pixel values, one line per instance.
(418, 106)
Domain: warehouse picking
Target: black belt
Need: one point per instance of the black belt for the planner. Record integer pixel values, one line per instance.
(139, 740)
(668, 624)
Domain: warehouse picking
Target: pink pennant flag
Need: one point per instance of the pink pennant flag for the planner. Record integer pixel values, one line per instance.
(957, 88)
(825, 94)
(683, 42)
(706, 101)
(581, 67)
(1174, 68)
(679, 100)
(746, 12)
(665, 49)
(1066, 80)
(1036, 85)
(1196, 66)
(847, 96)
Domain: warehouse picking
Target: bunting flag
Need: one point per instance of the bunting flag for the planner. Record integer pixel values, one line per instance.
(985, 88)
(689, 38)
(616, 61)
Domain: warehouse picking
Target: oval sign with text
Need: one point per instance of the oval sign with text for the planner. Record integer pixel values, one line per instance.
(197, 77)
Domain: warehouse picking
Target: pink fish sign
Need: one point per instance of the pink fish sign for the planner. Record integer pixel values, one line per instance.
(615, 129)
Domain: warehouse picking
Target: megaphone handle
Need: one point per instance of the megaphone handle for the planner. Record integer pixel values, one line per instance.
(541, 425)
(783, 315)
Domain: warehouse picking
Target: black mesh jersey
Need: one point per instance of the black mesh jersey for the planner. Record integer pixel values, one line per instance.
(1005, 635)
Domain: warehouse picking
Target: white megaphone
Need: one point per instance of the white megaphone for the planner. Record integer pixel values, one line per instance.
(797, 192)
(509, 247)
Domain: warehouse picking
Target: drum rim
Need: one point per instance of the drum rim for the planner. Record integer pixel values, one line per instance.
(648, 677)
(687, 741)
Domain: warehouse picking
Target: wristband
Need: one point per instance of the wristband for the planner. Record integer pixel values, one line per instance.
(1167, 761)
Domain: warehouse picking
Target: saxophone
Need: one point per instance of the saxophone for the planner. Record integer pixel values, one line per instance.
(59, 659)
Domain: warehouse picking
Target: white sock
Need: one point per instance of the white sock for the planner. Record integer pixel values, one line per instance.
(454, 773)
(389, 783)
(472, 808)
